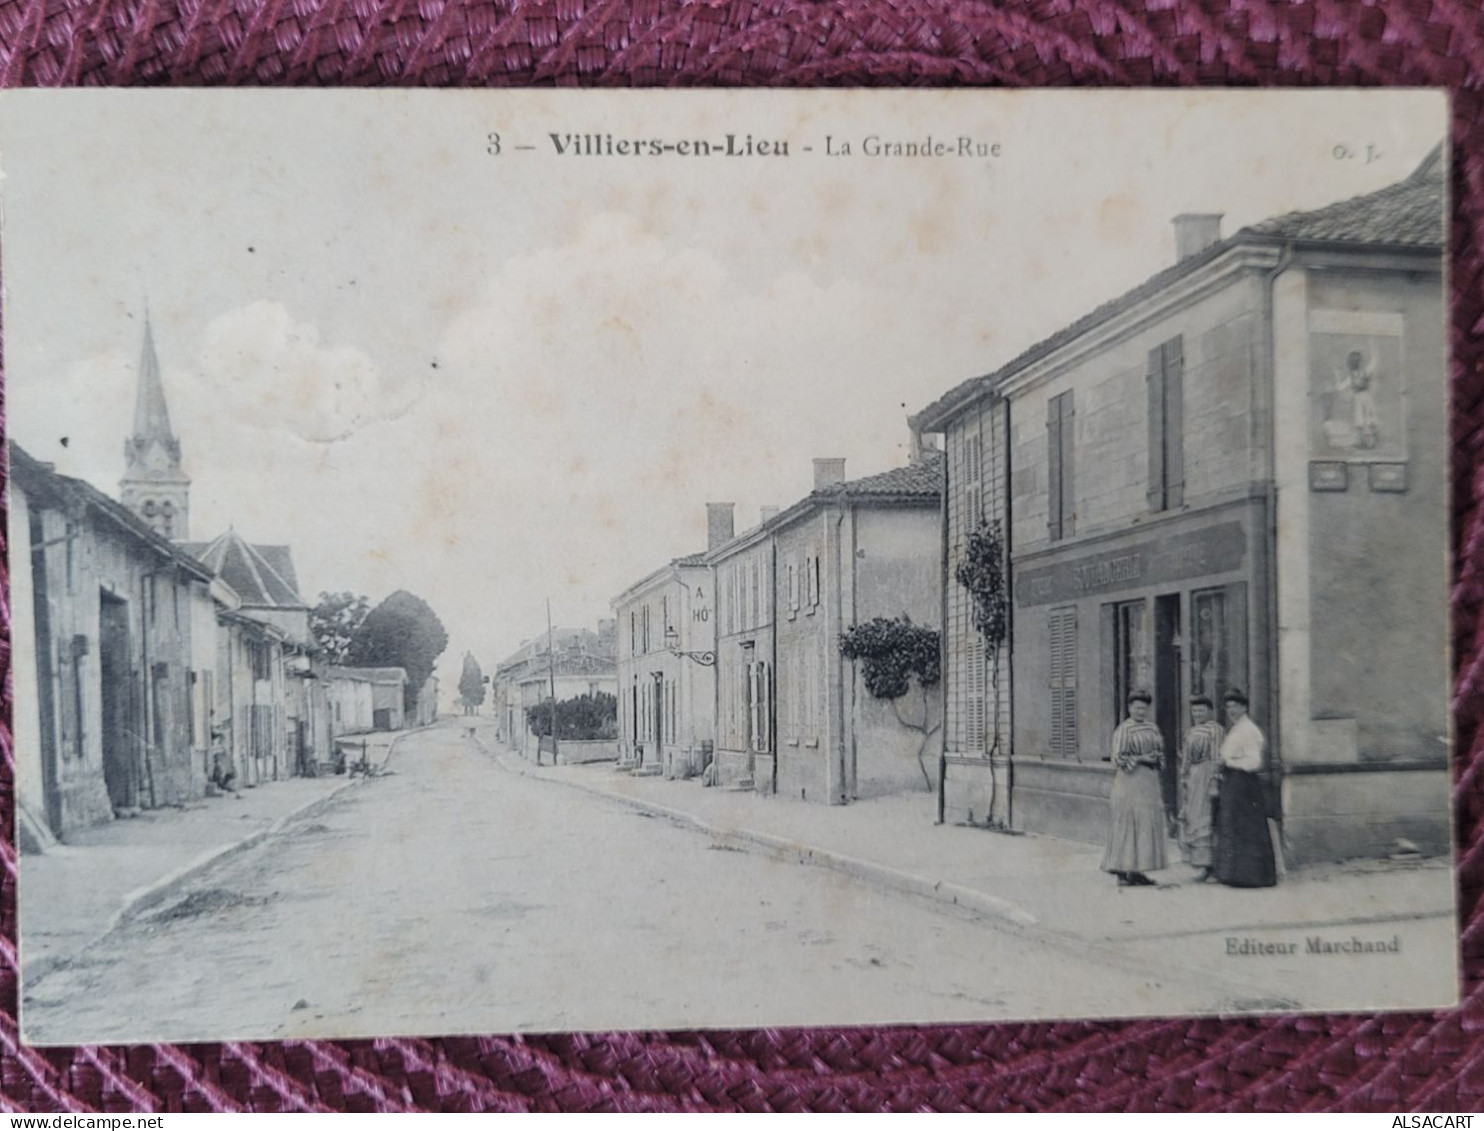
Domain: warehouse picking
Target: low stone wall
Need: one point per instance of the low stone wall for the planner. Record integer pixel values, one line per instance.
(572, 753)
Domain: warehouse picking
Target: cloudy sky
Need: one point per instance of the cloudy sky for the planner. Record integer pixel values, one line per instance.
(497, 379)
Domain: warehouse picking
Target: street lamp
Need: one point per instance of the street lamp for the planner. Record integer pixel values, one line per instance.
(672, 640)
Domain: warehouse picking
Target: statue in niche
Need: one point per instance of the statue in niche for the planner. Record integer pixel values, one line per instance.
(1351, 422)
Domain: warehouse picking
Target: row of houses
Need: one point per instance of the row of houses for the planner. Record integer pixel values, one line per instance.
(1232, 476)
(150, 669)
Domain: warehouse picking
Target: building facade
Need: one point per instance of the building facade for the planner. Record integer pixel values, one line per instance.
(794, 717)
(1216, 482)
(112, 681)
(666, 673)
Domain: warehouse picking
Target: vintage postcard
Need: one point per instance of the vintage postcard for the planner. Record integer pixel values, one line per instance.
(530, 561)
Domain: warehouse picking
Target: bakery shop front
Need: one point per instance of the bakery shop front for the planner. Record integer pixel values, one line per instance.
(1173, 607)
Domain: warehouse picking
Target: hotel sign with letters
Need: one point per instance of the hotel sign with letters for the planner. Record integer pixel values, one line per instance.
(1154, 561)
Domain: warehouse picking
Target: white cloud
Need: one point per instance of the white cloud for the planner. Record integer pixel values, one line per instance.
(270, 372)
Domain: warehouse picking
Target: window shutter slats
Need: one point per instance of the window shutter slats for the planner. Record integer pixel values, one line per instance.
(1155, 379)
(1062, 681)
(1068, 479)
(1174, 370)
(1053, 469)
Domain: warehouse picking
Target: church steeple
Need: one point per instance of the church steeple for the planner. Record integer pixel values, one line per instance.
(154, 486)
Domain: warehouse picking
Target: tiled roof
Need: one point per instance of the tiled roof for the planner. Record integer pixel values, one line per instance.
(923, 479)
(1406, 214)
(32, 474)
(263, 576)
(691, 560)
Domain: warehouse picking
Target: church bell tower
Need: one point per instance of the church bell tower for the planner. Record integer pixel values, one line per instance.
(154, 487)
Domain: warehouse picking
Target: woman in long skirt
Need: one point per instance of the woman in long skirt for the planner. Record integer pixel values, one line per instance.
(1200, 769)
(1136, 818)
(1244, 848)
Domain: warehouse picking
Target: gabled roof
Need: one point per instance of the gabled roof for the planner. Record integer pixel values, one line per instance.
(263, 576)
(1406, 215)
(919, 480)
(690, 560)
(919, 484)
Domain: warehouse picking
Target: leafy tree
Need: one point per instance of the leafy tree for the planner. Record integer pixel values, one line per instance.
(401, 632)
(982, 573)
(471, 685)
(579, 719)
(894, 653)
(334, 621)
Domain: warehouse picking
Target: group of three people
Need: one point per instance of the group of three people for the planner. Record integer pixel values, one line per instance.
(1223, 812)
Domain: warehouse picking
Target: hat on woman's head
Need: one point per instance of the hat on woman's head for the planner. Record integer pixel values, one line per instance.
(1140, 696)
(1201, 701)
(1234, 695)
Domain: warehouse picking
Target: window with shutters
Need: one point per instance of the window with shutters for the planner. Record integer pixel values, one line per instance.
(793, 588)
(1061, 682)
(975, 712)
(1060, 481)
(1166, 376)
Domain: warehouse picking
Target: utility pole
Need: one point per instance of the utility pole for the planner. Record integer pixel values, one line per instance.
(551, 670)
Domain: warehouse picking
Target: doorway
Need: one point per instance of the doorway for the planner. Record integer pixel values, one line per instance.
(119, 738)
(1167, 694)
(657, 710)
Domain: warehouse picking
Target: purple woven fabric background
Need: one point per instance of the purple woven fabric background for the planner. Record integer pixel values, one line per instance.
(1425, 1061)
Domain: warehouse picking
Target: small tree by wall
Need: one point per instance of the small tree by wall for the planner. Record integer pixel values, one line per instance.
(982, 573)
(894, 654)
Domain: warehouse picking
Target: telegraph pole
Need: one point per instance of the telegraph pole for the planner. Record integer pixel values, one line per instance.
(551, 670)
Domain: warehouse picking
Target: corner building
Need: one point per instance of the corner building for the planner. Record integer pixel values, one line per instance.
(1234, 475)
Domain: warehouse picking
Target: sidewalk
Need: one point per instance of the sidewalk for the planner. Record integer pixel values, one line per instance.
(75, 893)
(1047, 887)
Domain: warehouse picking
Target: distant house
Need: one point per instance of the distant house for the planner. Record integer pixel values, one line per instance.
(269, 703)
(793, 716)
(1218, 480)
(388, 687)
(666, 673)
(584, 665)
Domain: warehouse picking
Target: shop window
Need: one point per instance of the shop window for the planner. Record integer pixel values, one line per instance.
(1218, 640)
(1061, 681)
(1166, 376)
(1060, 481)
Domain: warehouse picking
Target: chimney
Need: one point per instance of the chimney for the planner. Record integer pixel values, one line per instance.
(1194, 232)
(828, 473)
(719, 524)
(766, 513)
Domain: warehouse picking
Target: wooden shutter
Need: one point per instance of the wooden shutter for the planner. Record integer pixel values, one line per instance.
(1156, 382)
(1174, 423)
(1068, 478)
(1054, 452)
(1062, 681)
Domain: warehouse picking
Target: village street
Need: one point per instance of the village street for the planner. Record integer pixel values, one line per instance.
(452, 895)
